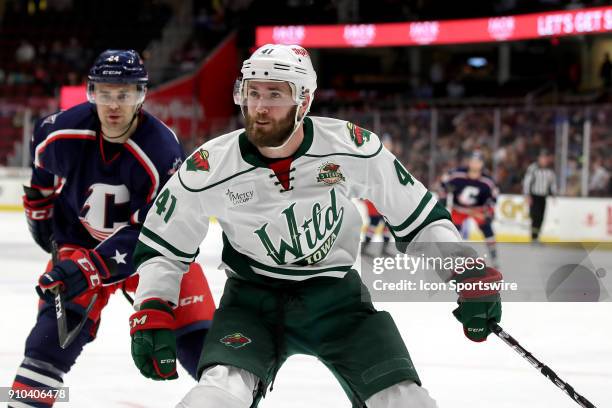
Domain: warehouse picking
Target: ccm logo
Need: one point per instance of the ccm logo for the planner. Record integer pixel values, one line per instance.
(191, 300)
(138, 321)
(475, 330)
(167, 361)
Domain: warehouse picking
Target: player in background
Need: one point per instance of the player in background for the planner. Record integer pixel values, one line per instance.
(375, 218)
(474, 195)
(96, 171)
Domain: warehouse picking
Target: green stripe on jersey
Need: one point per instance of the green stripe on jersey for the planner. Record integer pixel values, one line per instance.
(437, 213)
(359, 156)
(197, 190)
(164, 244)
(243, 265)
(143, 252)
(415, 214)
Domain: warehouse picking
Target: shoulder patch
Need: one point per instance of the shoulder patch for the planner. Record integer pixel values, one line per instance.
(359, 135)
(198, 161)
(176, 164)
(50, 120)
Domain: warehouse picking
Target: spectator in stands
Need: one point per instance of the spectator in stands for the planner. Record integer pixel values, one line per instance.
(573, 178)
(25, 53)
(599, 184)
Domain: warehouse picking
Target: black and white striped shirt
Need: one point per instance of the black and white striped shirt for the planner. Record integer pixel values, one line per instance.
(539, 181)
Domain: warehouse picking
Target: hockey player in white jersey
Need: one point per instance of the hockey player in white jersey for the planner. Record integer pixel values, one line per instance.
(281, 189)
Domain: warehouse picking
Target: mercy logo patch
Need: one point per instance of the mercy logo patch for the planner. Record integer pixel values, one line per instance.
(241, 194)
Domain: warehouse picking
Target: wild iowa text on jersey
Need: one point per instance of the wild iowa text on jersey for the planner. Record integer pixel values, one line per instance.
(319, 233)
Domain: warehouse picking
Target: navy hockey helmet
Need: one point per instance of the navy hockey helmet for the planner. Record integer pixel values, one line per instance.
(118, 66)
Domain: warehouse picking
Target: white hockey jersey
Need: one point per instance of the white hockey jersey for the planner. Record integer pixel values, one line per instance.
(311, 229)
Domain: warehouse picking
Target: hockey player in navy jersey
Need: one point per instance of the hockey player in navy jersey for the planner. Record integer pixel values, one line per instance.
(97, 169)
(282, 191)
(474, 195)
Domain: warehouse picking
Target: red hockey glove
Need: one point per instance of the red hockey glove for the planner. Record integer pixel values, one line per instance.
(83, 271)
(39, 214)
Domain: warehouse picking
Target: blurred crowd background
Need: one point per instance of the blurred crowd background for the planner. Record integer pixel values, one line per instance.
(437, 103)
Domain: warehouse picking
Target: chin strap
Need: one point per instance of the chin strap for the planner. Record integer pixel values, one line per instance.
(297, 123)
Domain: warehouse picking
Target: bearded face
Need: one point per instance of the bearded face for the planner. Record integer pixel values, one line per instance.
(265, 131)
(270, 113)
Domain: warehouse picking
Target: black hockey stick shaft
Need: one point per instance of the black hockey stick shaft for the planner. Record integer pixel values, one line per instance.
(60, 311)
(65, 337)
(544, 369)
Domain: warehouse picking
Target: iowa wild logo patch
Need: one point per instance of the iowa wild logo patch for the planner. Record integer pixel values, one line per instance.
(330, 173)
(235, 340)
(198, 161)
(359, 135)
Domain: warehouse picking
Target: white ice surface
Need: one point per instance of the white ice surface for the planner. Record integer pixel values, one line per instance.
(574, 339)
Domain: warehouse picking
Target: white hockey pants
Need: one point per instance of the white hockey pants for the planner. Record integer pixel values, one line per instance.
(231, 387)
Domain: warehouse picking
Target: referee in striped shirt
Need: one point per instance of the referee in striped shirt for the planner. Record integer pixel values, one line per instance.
(539, 182)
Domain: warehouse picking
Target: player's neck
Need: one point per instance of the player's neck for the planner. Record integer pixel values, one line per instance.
(288, 150)
(474, 174)
(117, 137)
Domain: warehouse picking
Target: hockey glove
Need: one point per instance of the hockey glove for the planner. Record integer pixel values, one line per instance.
(39, 215)
(153, 340)
(478, 306)
(83, 271)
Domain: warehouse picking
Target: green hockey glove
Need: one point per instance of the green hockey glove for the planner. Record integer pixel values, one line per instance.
(153, 340)
(478, 307)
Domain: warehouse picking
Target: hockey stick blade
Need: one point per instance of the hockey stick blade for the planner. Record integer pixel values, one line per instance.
(69, 337)
(544, 369)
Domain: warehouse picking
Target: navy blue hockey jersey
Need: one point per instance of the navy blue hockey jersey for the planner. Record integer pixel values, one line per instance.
(105, 189)
(468, 192)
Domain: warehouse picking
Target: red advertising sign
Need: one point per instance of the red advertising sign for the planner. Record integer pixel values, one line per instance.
(506, 28)
(192, 104)
(72, 95)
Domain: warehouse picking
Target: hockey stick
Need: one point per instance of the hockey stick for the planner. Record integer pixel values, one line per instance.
(544, 369)
(66, 337)
(127, 296)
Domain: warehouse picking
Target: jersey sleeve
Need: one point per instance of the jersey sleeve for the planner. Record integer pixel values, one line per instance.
(169, 241)
(527, 180)
(43, 179)
(406, 204)
(54, 147)
(494, 195)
